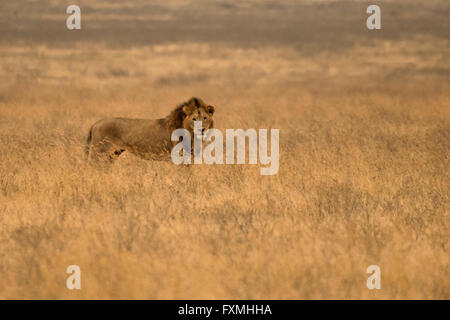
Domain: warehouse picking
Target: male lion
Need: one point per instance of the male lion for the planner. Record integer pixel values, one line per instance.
(146, 138)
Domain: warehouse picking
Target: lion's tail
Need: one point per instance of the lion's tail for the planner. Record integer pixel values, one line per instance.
(88, 143)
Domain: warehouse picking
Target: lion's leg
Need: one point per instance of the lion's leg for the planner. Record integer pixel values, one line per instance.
(105, 151)
(115, 154)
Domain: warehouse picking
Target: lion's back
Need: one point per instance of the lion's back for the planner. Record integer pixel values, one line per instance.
(139, 135)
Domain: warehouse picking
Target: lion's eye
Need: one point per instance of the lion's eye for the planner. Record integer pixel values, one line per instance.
(204, 118)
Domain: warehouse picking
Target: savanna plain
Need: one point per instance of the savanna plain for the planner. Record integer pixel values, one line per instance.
(364, 123)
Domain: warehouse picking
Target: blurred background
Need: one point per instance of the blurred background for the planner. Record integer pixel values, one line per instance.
(223, 42)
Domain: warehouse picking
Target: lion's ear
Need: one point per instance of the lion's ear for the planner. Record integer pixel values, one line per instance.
(186, 110)
(210, 110)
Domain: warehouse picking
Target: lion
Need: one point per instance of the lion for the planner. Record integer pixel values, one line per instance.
(146, 138)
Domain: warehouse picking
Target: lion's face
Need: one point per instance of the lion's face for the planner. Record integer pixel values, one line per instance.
(197, 110)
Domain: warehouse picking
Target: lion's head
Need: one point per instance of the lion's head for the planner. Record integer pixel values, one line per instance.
(193, 110)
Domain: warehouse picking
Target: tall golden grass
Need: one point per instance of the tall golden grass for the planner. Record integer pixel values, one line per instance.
(363, 179)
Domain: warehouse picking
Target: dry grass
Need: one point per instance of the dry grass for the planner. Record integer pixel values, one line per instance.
(364, 179)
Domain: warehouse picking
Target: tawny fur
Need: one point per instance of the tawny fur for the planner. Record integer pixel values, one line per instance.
(146, 138)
